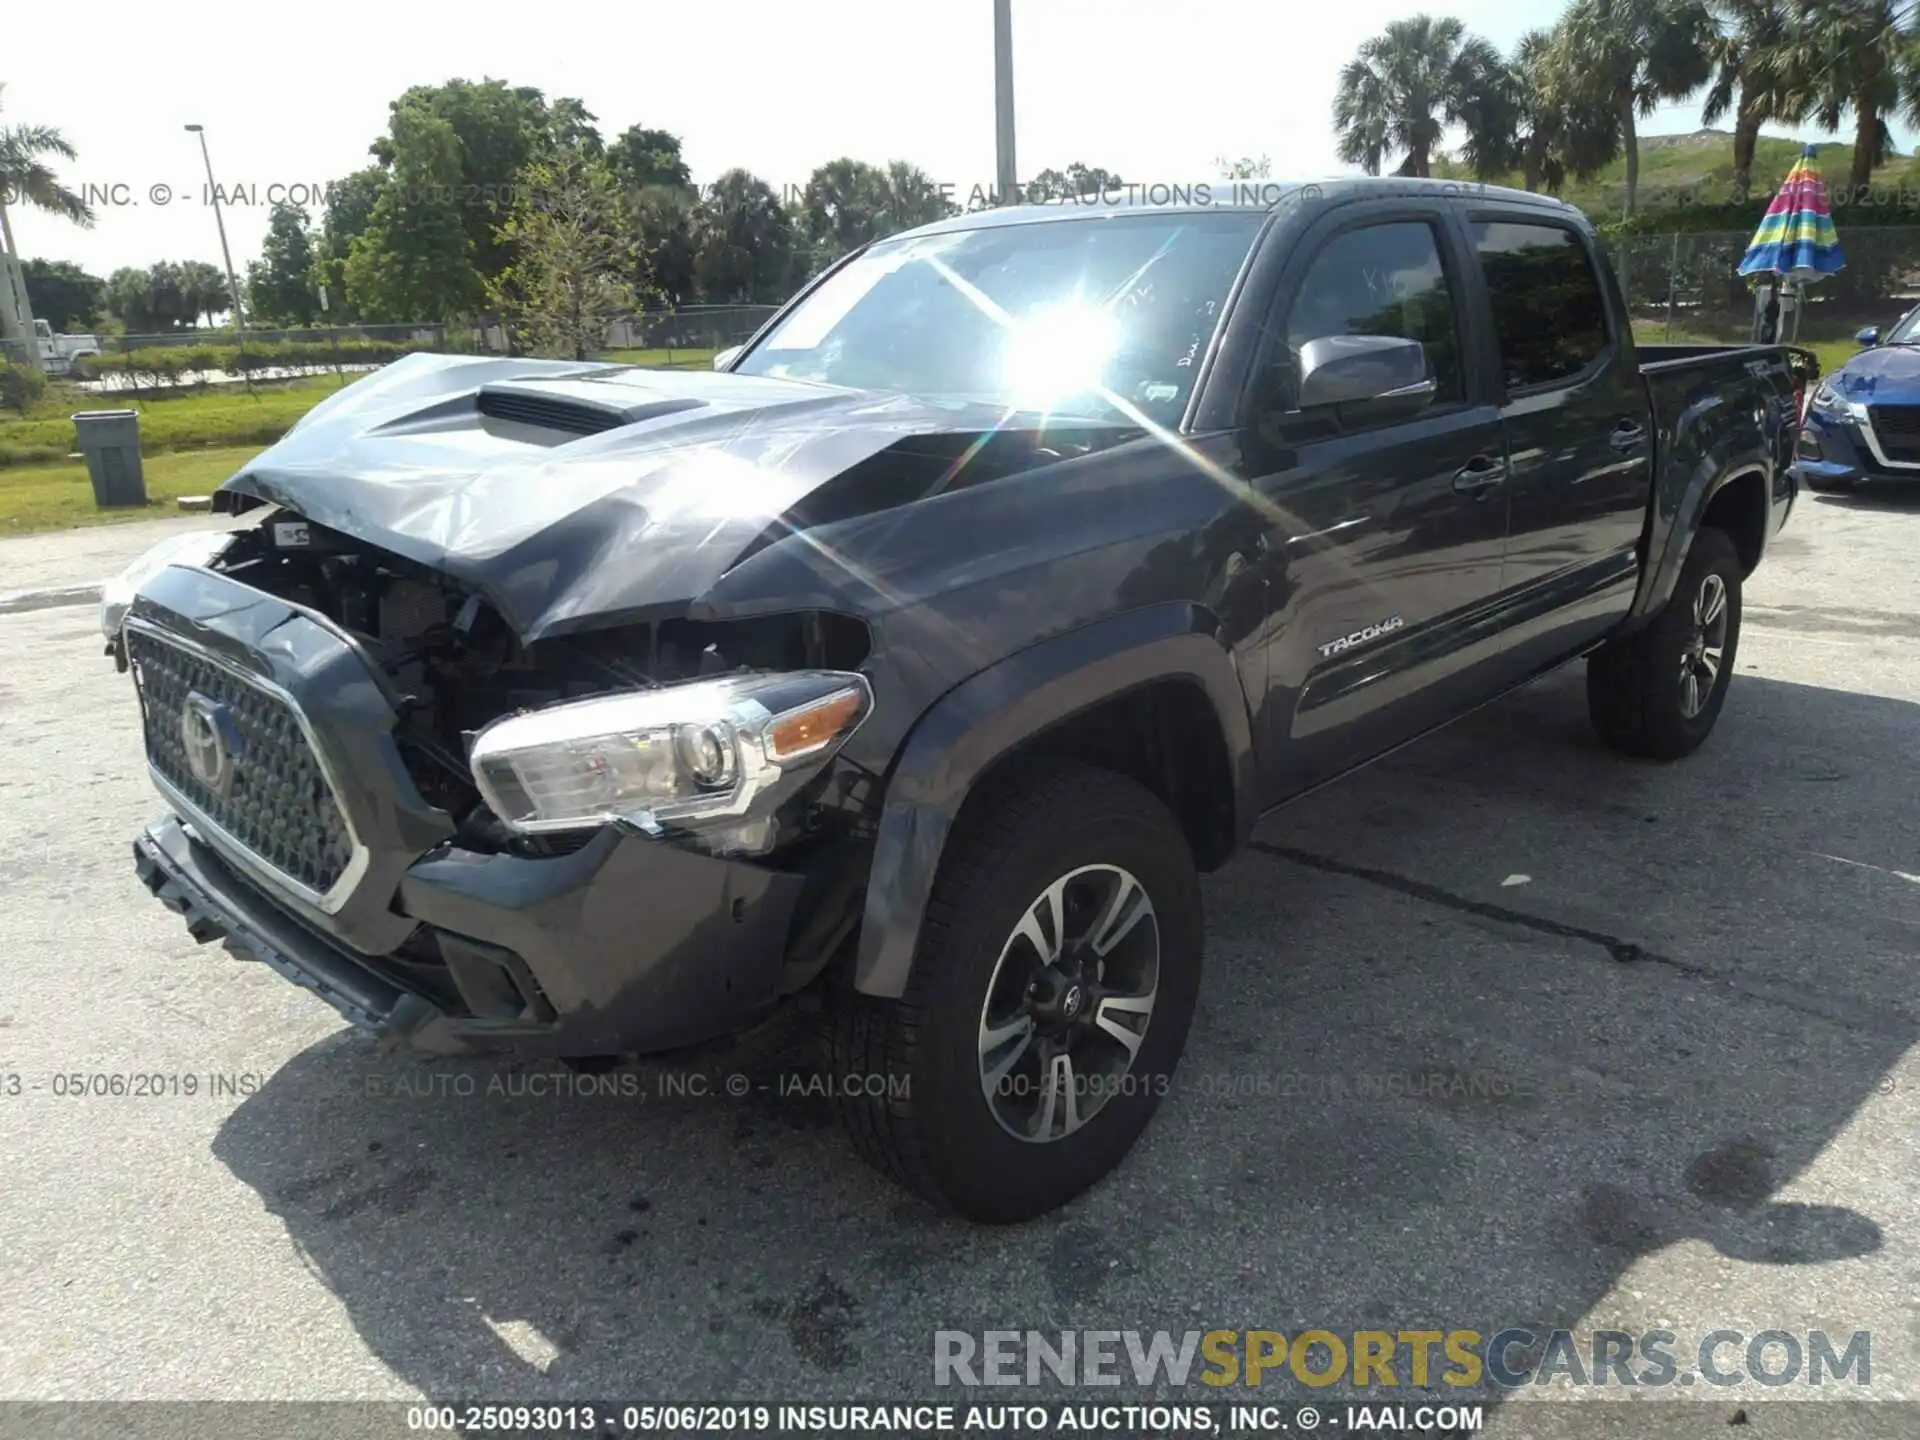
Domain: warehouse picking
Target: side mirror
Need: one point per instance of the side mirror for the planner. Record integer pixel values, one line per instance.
(1383, 372)
(1869, 337)
(727, 356)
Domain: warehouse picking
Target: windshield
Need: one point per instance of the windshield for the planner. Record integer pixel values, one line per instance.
(1085, 317)
(1907, 332)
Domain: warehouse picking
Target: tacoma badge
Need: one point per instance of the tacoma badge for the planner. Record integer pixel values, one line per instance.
(1361, 637)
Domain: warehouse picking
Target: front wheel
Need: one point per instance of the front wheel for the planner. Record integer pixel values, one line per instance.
(1658, 692)
(1056, 976)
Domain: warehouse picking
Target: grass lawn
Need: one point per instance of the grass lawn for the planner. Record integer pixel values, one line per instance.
(224, 415)
(53, 497)
(1833, 350)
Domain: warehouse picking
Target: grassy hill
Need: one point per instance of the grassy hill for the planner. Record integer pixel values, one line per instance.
(1697, 169)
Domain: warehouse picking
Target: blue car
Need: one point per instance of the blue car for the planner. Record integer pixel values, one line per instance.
(1863, 421)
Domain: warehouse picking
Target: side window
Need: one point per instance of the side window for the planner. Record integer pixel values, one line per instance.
(1548, 311)
(1378, 280)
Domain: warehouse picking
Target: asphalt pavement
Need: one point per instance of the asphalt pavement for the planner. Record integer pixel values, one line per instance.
(1673, 1011)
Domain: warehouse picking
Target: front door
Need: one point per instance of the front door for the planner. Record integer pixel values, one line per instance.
(1384, 529)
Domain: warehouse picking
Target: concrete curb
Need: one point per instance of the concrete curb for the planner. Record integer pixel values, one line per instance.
(49, 599)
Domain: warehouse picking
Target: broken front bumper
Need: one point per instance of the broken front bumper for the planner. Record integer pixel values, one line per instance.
(298, 837)
(628, 945)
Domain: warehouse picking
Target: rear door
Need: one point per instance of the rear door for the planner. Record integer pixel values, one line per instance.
(1381, 535)
(1578, 428)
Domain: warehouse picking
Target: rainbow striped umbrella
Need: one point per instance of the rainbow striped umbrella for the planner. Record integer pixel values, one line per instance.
(1797, 238)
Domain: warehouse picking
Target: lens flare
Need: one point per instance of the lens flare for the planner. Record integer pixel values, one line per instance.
(1056, 353)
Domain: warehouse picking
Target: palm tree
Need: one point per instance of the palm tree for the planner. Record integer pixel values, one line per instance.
(1404, 87)
(1748, 59)
(1629, 55)
(1852, 55)
(25, 176)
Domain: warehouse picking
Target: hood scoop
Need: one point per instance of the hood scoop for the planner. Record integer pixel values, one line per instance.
(582, 408)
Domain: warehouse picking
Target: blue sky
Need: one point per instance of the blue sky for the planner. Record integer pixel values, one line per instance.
(1151, 89)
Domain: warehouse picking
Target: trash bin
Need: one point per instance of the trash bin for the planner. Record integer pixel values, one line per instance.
(110, 439)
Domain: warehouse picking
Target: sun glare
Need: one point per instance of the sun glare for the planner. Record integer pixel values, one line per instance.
(1056, 353)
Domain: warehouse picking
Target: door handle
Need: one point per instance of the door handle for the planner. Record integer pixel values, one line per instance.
(1481, 475)
(1627, 436)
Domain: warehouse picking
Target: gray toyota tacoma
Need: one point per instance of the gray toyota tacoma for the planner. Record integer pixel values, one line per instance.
(922, 655)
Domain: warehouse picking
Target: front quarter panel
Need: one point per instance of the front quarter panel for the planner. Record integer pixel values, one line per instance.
(998, 609)
(990, 716)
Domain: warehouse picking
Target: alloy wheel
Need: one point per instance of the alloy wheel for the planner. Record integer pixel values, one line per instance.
(1701, 658)
(1069, 1003)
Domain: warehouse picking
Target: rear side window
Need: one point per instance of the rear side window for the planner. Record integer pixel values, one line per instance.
(1379, 280)
(1548, 312)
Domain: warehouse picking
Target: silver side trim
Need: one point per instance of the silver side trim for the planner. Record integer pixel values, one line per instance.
(210, 829)
(1865, 421)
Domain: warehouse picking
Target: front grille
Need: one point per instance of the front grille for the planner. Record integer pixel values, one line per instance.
(267, 791)
(1897, 427)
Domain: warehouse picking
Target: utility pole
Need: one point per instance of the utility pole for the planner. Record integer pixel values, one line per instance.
(233, 282)
(1007, 180)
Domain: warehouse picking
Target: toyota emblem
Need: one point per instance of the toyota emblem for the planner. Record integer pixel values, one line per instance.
(208, 736)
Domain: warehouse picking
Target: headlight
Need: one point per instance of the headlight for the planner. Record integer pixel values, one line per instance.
(195, 547)
(1827, 400)
(682, 753)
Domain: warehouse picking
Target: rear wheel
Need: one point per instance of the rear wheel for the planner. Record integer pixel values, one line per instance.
(1659, 691)
(1055, 979)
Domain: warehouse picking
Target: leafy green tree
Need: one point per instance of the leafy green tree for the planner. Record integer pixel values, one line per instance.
(1750, 57)
(572, 258)
(745, 242)
(843, 207)
(497, 129)
(27, 179)
(665, 223)
(414, 261)
(571, 126)
(1852, 57)
(640, 157)
(1404, 87)
(64, 295)
(129, 295)
(913, 199)
(203, 292)
(1627, 56)
(280, 282)
(350, 203)
(1077, 181)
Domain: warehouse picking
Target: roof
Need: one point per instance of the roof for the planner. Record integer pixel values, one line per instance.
(1247, 196)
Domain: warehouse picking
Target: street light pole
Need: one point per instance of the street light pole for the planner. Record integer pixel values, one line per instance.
(233, 283)
(1007, 181)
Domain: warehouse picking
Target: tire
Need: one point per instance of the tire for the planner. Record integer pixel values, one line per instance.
(1637, 691)
(937, 1130)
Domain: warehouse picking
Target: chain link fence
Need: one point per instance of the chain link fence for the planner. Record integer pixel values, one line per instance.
(688, 336)
(1687, 287)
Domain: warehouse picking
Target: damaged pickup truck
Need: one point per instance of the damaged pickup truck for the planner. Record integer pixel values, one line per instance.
(923, 655)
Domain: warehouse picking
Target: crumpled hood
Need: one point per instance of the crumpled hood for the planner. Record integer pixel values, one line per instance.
(433, 458)
(1884, 375)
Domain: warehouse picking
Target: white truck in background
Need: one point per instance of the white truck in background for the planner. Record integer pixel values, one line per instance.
(58, 352)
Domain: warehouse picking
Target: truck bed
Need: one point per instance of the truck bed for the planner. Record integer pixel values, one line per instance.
(1659, 359)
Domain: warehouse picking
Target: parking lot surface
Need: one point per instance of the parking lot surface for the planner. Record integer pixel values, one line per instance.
(1672, 1012)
